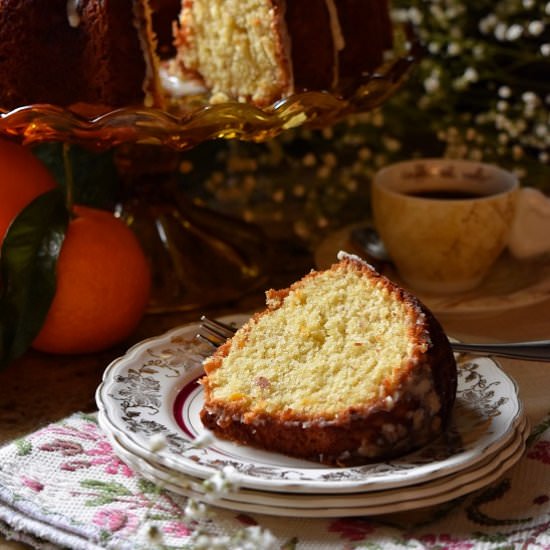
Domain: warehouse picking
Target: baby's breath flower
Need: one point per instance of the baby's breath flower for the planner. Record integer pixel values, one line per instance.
(221, 483)
(470, 75)
(541, 130)
(535, 28)
(479, 51)
(255, 537)
(530, 98)
(157, 443)
(415, 16)
(434, 47)
(502, 105)
(513, 32)
(249, 538)
(203, 440)
(454, 48)
(431, 84)
(505, 92)
(195, 511)
(500, 31)
(488, 23)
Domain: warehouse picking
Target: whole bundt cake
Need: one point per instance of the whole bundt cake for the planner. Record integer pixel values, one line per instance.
(107, 52)
(342, 367)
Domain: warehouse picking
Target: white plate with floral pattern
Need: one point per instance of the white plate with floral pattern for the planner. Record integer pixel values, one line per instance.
(152, 391)
(333, 505)
(478, 475)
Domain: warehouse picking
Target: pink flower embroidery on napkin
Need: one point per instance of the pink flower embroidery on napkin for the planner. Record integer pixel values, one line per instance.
(32, 484)
(66, 448)
(102, 452)
(177, 529)
(115, 520)
(104, 455)
(445, 541)
(87, 431)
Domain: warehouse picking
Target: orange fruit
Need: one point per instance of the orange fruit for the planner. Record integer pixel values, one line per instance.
(22, 178)
(103, 285)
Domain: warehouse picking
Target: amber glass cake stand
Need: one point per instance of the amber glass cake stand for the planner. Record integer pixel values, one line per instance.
(198, 257)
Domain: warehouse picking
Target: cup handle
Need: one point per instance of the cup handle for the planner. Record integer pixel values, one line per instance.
(530, 232)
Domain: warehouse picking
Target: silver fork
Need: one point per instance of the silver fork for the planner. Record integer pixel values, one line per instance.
(215, 333)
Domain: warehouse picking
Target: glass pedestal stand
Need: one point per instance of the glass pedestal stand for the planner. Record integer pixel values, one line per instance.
(199, 257)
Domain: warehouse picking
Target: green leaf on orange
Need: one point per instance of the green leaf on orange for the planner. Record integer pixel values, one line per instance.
(28, 262)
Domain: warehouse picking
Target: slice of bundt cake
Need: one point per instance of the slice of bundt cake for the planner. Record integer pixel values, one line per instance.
(262, 50)
(342, 367)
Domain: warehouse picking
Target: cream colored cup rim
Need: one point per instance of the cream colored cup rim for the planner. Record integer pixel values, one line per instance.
(507, 176)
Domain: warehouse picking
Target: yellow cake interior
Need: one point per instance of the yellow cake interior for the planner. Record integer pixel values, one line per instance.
(334, 343)
(241, 56)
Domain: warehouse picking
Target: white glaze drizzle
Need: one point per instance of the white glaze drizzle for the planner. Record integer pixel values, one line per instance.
(73, 13)
(337, 37)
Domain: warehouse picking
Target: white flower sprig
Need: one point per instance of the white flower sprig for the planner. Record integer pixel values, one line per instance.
(221, 483)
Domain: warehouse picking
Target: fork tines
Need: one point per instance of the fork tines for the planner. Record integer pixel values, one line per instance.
(214, 332)
(218, 327)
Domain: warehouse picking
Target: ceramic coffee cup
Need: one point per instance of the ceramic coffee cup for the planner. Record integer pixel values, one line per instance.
(444, 222)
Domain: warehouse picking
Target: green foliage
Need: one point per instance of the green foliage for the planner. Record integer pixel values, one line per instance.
(24, 447)
(105, 492)
(29, 255)
(95, 178)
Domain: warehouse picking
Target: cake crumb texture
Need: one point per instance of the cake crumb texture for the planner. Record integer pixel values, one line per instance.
(239, 57)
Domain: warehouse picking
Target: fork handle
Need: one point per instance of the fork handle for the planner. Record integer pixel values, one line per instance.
(538, 350)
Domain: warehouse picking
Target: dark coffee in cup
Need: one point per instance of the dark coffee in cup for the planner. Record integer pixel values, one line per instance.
(446, 194)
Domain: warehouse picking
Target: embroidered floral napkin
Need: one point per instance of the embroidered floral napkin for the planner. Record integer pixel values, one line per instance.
(63, 486)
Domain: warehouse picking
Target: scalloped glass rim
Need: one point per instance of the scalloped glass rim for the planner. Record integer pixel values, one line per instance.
(193, 120)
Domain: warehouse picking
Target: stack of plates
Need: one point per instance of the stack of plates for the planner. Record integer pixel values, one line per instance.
(151, 393)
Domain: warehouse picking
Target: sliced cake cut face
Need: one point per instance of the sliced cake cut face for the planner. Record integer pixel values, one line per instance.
(238, 47)
(325, 349)
(341, 366)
